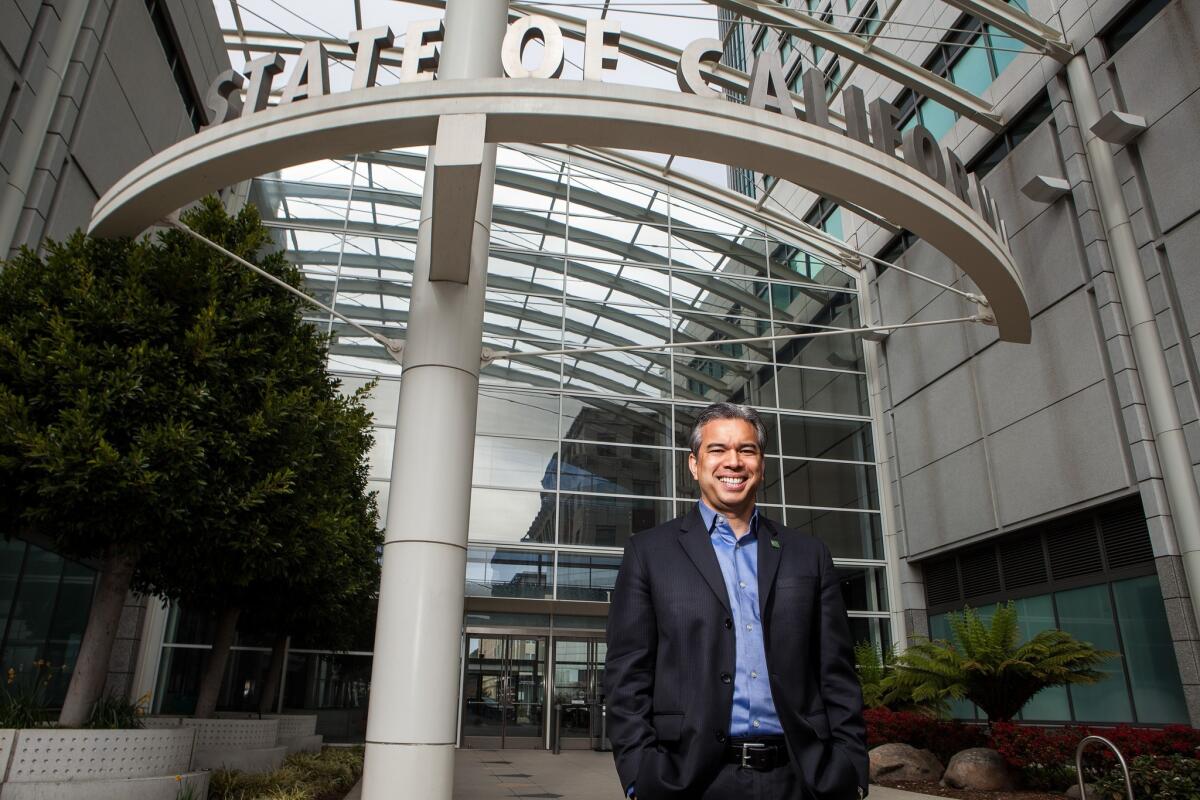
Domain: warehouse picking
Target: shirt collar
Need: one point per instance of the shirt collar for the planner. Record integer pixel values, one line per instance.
(711, 517)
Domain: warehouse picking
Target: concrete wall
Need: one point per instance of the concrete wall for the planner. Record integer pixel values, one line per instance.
(117, 104)
(983, 437)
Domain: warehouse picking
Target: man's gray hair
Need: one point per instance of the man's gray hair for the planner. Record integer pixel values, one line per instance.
(727, 411)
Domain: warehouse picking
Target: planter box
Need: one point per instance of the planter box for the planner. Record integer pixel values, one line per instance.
(247, 745)
(297, 732)
(50, 764)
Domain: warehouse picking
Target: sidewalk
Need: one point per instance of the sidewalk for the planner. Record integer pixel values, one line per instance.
(573, 775)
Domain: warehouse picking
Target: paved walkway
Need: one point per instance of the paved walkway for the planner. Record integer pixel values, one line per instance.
(572, 775)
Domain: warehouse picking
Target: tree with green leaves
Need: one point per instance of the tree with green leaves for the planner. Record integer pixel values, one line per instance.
(990, 666)
(166, 413)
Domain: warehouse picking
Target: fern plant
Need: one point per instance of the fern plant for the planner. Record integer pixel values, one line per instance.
(988, 664)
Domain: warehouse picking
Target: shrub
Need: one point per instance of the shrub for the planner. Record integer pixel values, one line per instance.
(1171, 777)
(303, 776)
(1045, 757)
(943, 738)
(23, 696)
(989, 665)
(113, 712)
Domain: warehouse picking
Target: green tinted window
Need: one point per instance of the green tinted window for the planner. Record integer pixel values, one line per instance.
(1087, 614)
(1149, 653)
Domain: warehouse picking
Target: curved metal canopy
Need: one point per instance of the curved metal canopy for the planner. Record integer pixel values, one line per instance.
(574, 112)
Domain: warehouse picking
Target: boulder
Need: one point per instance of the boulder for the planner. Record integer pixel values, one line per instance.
(1090, 792)
(979, 768)
(903, 762)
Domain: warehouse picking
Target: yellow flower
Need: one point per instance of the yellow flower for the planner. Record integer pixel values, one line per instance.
(179, 779)
(12, 676)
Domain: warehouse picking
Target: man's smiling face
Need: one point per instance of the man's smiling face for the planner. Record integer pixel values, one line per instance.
(728, 466)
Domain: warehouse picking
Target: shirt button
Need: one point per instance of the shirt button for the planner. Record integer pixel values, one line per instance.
(749, 627)
(753, 674)
(728, 623)
(726, 677)
(742, 584)
(756, 723)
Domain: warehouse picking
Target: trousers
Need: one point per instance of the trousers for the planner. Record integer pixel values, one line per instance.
(735, 783)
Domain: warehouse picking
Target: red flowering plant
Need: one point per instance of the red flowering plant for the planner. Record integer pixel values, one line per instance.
(1045, 756)
(942, 737)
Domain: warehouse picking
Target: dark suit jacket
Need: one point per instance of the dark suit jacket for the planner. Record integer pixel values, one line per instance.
(671, 655)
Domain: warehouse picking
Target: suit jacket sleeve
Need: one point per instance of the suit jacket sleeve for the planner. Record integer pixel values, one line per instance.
(841, 691)
(629, 666)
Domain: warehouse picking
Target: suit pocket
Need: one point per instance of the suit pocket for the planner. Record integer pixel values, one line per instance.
(818, 723)
(667, 727)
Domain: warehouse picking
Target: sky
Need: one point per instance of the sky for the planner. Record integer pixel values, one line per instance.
(674, 23)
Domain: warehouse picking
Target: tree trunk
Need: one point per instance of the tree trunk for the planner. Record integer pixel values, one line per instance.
(214, 666)
(91, 667)
(266, 702)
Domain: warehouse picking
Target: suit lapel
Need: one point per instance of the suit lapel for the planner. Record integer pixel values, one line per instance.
(696, 543)
(769, 550)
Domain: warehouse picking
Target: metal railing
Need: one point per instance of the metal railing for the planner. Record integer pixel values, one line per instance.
(1083, 793)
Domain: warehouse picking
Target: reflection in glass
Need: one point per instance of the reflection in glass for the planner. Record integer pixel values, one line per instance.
(615, 420)
(614, 469)
(335, 687)
(876, 630)
(511, 516)
(1149, 653)
(508, 573)
(829, 483)
(1087, 614)
(823, 390)
(863, 588)
(587, 577)
(607, 521)
(509, 413)
(515, 463)
(823, 437)
(849, 534)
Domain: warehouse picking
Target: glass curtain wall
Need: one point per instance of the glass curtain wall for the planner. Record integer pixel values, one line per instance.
(575, 453)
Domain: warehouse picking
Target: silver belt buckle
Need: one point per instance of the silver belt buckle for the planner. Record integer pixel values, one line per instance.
(747, 747)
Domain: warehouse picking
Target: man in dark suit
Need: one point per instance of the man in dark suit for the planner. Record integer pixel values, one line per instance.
(730, 671)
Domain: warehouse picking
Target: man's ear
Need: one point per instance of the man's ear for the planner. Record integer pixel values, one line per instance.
(692, 466)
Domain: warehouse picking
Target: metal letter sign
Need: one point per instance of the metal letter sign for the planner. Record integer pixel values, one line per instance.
(920, 186)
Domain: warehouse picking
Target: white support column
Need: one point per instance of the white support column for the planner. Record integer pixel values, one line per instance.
(412, 722)
(1174, 458)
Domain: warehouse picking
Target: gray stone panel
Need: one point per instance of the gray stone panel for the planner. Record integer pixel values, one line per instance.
(1036, 155)
(1172, 170)
(110, 141)
(16, 28)
(1048, 257)
(918, 356)
(1183, 253)
(1061, 456)
(948, 501)
(1153, 85)
(140, 65)
(1016, 381)
(939, 419)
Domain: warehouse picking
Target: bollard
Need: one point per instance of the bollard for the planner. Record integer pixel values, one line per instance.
(557, 728)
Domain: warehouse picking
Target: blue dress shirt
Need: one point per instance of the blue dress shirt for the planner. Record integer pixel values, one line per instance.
(753, 708)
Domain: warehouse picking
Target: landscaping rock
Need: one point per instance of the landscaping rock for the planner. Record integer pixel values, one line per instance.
(903, 762)
(980, 769)
(1091, 793)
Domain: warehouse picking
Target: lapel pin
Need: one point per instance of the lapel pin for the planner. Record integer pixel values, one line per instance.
(775, 543)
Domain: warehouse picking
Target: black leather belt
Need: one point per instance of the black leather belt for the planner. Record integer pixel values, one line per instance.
(763, 753)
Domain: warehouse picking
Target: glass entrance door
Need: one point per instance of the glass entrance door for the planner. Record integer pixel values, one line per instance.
(578, 687)
(504, 692)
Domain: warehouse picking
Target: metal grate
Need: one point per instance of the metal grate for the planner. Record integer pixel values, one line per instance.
(1023, 562)
(1126, 538)
(1074, 548)
(980, 571)
(941, 582)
